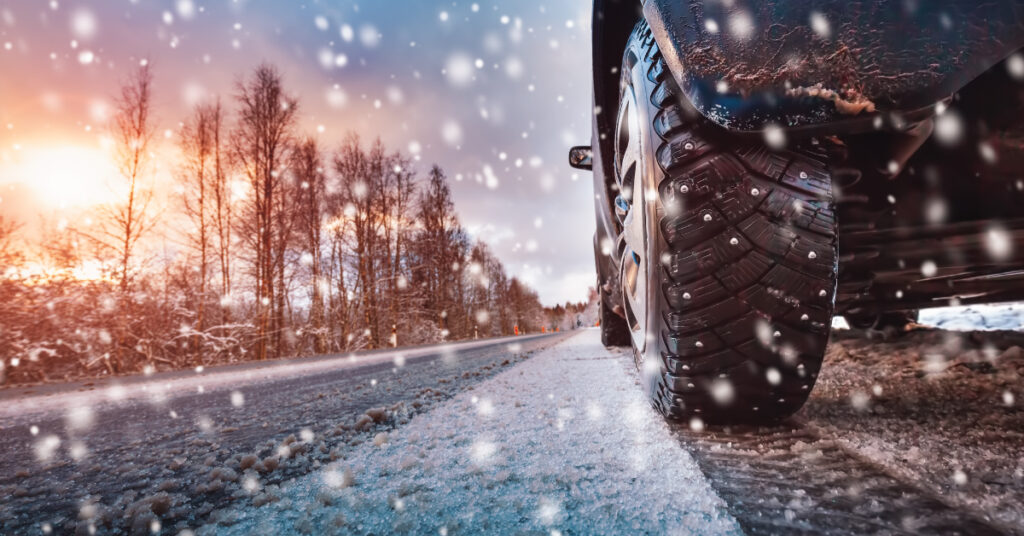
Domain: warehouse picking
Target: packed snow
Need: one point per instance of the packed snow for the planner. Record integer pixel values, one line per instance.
(563, 443)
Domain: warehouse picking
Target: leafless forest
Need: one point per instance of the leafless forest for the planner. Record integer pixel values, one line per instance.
(273, 246)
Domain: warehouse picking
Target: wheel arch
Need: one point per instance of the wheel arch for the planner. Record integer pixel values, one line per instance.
(788, 63)
(612, 24)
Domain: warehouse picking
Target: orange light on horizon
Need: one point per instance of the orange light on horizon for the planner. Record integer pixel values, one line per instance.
(64, 176)
(38, 272)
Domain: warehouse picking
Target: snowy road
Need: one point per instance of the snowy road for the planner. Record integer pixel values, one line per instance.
(119, 455)
(917, 434)
(562, 442)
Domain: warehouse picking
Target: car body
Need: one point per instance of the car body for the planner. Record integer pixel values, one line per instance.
(907, 61)
(919, 104)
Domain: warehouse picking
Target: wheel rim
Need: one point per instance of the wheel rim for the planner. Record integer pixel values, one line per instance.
(632, 209)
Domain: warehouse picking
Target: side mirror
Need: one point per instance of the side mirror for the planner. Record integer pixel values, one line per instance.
(582, 157)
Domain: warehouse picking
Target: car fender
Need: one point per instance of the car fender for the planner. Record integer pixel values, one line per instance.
(829, 65)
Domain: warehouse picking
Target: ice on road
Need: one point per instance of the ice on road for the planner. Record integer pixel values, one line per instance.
(565, 442)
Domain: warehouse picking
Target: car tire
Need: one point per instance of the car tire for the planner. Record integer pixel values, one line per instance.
(897, 321)
(614, 331)
(727, 258)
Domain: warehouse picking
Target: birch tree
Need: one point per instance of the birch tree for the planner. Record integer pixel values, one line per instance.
(260, 146)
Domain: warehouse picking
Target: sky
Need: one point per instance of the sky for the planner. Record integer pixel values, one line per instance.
(492, 91)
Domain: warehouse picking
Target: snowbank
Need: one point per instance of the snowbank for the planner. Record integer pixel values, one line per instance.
(1007, 316)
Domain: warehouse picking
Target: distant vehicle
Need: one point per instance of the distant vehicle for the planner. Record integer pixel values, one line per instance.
(763, 165)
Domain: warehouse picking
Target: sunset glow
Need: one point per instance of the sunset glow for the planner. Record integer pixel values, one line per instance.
(491, 93)
(65, 176)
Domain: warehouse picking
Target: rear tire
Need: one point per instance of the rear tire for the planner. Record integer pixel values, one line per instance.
(614, 331)
(729, 294)
(894, 320)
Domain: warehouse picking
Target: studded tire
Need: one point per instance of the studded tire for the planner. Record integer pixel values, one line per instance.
(740, 291)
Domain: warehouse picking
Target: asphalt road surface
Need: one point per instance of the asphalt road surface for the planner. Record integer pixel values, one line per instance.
(919, 433)
(96, 455)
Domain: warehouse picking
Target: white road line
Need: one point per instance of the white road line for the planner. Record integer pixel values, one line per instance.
(160, 389)
(562, 442)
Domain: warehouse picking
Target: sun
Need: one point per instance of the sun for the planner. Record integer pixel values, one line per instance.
(66, 176)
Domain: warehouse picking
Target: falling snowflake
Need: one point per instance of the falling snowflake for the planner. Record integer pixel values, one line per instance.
(775, 137)
(820, 25)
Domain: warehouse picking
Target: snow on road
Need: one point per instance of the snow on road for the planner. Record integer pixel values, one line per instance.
(116, 466)
(122, 391)
(562, 442)
(565, 442)
(938, 408)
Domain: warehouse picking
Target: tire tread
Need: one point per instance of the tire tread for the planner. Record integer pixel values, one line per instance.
(738, 263)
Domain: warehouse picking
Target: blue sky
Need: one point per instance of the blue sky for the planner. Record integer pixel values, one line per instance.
(493, 91)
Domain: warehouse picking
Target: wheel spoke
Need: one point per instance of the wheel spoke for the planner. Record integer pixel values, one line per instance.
(628, 146)
(631, 209)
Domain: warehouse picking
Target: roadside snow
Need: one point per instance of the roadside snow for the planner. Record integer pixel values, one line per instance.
(1001, 316)
(1008, 316)
(563, 443)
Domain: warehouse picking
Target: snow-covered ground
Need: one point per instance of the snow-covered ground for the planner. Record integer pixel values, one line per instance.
(1008, 316)
(563, 443)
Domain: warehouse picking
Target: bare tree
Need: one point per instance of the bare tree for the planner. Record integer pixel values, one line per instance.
(311, 213)
(133, 132)
(396, 206)
(498, 280)
(440, 246)
(284, 212)
(59, 248)
(203, 180)
(260, 145)
(482, 299)
(222, 202)
(358, 189)
(9, 256)
(127, 220)
(339, 300)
